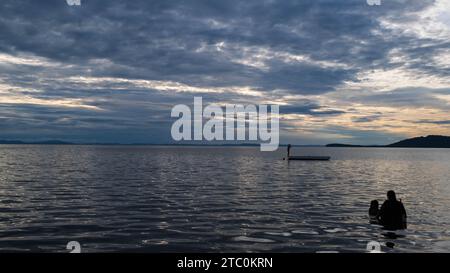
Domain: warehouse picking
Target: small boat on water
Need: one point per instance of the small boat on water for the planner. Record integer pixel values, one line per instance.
(313, 158)
(305, 158)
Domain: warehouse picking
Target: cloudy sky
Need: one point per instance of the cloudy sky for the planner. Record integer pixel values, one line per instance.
(111, 70)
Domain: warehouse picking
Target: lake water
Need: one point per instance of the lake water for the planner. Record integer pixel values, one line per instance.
(217, 199)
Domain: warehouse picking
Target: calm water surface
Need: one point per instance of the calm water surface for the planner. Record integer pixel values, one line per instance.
(172, 199)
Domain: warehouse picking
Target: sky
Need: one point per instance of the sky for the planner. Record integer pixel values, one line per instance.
(112, 70)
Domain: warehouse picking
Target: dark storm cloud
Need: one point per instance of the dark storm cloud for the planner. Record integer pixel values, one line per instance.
(311, 108)
(206, 43)
(160, 39)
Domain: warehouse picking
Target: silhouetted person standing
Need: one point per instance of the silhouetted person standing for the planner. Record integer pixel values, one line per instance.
(288, 150)
(392, 214)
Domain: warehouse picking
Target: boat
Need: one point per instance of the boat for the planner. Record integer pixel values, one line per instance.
(316, 158)
(305, 158)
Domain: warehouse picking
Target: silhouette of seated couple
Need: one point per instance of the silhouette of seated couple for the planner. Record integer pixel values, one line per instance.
(391, 215)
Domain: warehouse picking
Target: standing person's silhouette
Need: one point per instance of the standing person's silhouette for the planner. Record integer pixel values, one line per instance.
(289, 150)
(392, 214)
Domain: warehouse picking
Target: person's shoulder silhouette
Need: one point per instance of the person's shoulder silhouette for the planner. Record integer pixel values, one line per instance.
(392, 213)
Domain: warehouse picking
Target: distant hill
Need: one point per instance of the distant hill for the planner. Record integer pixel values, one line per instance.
(424, 142)
(431, 141)
(343, 145)
(48, 142)
(11, 142)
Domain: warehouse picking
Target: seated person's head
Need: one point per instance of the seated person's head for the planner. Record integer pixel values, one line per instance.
(374, 208)
(374, 204)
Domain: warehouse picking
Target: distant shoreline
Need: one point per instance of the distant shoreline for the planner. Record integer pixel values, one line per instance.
(141, 144)
(213, 145)
(431, 141)
(381, 147)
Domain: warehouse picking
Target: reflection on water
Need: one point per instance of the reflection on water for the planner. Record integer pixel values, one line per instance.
(164, 199)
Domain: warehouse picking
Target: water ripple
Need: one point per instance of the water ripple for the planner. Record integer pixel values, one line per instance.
(172, 199)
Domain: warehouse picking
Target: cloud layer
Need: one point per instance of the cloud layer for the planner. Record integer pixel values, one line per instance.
(110, 71)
